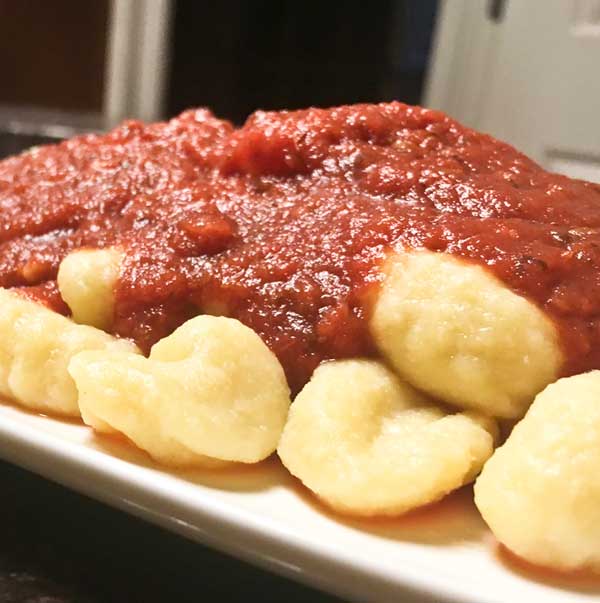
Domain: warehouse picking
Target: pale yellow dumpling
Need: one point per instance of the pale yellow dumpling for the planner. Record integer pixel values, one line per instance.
(36, 345)
(143, 425)
(540, 491)
(453, 330)
(368, 444)
(86, 279)
(212, 388)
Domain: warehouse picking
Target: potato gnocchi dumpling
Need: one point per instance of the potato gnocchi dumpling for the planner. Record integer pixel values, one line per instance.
(36, 346)
(368, 444)
(143, 428)
(540, 491)
(454, 331)
(210, 389)
(86, 279)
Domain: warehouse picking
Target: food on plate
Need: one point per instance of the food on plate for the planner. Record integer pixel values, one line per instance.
(456, 332)
(36, 345)
(210, 389)
(285, 223)
(540, 491)
(86, 280)
(368, 444)
(235, 268)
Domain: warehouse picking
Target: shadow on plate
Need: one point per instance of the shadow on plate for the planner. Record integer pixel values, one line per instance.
(454, 520)
(237, 477)
(581, 581)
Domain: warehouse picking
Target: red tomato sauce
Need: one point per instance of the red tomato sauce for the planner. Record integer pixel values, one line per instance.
(283, 223)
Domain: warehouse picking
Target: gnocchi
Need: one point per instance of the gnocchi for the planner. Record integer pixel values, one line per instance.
(368, 444)
(454, 331)
(540, 491)
(86, 280)
(35, 348)
(210, 389)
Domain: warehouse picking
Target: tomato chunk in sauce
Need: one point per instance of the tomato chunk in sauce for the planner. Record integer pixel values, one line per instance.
(283, 223)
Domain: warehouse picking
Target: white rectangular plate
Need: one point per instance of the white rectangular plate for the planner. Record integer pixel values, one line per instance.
(261, 514)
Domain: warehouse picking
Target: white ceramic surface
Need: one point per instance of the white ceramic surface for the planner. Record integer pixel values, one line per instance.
(442, 554)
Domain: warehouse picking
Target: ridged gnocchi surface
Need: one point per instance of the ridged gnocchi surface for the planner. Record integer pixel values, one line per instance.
(36, 345)
(86, 279)
(454, 331)
(368, 444)
(540, 491)
(210, 389)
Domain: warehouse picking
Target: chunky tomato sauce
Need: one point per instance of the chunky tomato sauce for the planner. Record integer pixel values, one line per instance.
(284, 222)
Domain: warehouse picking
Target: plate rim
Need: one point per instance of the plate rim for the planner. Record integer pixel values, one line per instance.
(265, 542)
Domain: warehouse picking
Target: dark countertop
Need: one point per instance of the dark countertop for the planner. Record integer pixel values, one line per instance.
(57, 546)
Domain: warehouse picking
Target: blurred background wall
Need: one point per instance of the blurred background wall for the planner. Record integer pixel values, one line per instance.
(52, 54)
(90, 64)
(233, 56)
(527, 72)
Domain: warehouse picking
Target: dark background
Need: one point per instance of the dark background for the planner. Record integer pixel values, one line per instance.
(236, 56)
(240, 55)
